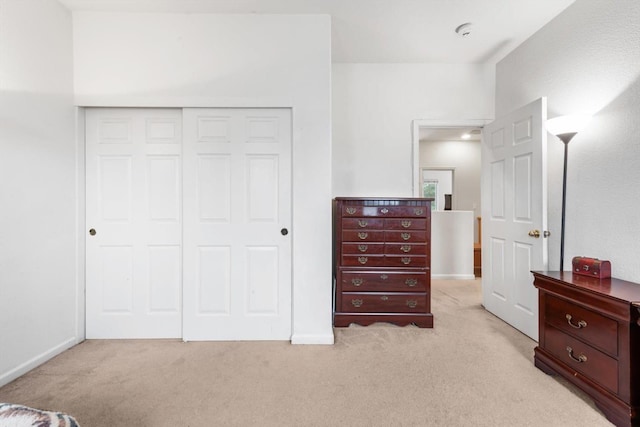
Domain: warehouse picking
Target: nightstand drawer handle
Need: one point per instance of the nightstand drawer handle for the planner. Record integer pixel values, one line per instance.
(384, 276)
(356, 302)
(384, 298)
(406, 260)
(581, 324)
(363, 259)
(580, 359)
(412, 303)
(405, 236)
(362, 223)
(384, 210)
(406, 223)
(405, 248)
(356, 282)
(363, 236)
(418, 211)
(351, 211)
(411, 282)
(363, 248)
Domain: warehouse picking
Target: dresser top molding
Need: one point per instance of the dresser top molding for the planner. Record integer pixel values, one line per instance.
(612, 296)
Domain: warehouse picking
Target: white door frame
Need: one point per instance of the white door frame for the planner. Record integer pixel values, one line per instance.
(415, 142)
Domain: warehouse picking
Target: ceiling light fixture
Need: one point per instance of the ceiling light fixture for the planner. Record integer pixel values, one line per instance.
(464, 30)
(466, 136)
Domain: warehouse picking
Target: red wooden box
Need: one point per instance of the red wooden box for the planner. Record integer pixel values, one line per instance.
(592, 267)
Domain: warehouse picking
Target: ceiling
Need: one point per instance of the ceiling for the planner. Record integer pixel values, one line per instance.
(386, 31)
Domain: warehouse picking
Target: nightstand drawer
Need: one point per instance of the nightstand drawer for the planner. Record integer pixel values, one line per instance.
(583, 358)
(589, 326)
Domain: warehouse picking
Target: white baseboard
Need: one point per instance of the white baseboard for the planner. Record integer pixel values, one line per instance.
(313, 339)
(453, 276)
(7, 377)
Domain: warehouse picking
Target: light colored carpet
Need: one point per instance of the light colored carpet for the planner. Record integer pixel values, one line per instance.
(472, 369)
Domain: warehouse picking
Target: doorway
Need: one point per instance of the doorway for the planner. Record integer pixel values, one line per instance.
(439, 145)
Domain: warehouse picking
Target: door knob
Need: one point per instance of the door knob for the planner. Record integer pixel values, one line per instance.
(534, 233)
(284, 231)
(92, 231)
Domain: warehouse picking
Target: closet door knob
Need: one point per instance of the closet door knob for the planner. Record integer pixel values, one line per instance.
(92, 231)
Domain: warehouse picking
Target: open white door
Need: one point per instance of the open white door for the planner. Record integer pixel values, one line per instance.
(514, 214)
(237, 212)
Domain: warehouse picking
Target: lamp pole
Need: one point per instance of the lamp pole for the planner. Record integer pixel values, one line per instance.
(565, 138)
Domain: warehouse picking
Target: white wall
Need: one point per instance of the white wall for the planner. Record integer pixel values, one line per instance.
(373, 109)
(138, 59)
(452, 245)
(38, 300)
(588, 59)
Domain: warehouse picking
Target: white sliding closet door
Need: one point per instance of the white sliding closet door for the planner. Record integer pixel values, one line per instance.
(237, 215)
(134, 230)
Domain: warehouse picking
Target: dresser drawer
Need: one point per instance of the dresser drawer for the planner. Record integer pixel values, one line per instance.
(384, 211)
(591, 327)
(364, 261)
(384, 261)
(583, 358)
(388, 281)
(405, 249)
(405, 236)
(362, 236)
(363, 223)
(405, 224)
(407, 261)
(363, 248)
(384, 303)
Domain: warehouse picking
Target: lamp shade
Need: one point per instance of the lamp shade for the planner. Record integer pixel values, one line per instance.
(573, 123)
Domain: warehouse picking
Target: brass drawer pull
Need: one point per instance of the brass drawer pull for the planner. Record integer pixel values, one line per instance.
(384, 298)
(351, 211)
(363, 236)
(406, 260)
(405, 248)
(406, 223)
(384, 276)
(362, 223)
(363, 248)
(405, 236)
(384, 210)
(580, 359)
(411, 282)
(356, 302)
(581, 324)
(412, 303)
(356, 282)
(363, 259)
(418, 211)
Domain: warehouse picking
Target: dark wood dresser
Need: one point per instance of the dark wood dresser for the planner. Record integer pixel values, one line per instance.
(590, 335)
(382, 261)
